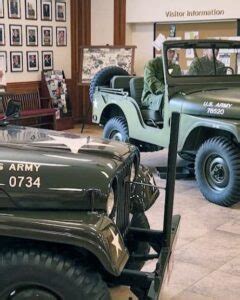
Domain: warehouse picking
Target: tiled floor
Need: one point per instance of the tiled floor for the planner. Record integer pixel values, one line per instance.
(207, 255)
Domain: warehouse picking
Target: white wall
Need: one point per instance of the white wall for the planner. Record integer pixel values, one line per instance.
(102, 22)
(176, 10)
(62, 55)
(142, 14)
(140, 35)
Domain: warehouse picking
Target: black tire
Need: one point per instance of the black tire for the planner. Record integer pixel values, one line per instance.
(116, 129)
(217, 170)
(186, 156)
(26, 273)
(140, 248)
(103, 77)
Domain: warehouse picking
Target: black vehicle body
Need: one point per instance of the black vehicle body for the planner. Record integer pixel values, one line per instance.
(55, 193)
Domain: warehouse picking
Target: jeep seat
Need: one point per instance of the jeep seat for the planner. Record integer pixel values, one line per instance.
(121, 82)
(136, 89)
(150, 117)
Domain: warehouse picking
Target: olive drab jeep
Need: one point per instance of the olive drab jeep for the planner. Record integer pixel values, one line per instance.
(206, 93)
(72, 216)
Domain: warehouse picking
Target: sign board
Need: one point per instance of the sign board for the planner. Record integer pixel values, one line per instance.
(141, 11)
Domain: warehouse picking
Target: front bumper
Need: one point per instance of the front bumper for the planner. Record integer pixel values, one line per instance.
(148, 285)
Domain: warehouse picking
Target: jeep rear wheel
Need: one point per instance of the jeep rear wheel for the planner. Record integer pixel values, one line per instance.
(29, 274)
(103, 77)
(116, 129)
(217, 169)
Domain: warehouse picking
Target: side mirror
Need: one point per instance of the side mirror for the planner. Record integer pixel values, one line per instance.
(13, 109)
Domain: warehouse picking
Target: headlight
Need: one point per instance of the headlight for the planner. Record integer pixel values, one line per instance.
(133, 172)
(110, 202)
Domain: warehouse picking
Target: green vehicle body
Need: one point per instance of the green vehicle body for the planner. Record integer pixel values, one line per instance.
(55, 189)
(208, 106)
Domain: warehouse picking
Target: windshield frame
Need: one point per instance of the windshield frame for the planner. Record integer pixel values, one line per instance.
(199, 79)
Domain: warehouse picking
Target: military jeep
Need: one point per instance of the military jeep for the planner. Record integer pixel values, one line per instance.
(72, 216)
(207, 98)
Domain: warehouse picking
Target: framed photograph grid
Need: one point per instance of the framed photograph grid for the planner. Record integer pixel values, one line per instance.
(32, 35)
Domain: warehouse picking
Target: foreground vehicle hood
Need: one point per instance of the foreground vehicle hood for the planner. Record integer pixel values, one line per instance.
(48, 169)
(219, 102)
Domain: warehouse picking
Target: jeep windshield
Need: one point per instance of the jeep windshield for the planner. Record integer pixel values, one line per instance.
(202, 61)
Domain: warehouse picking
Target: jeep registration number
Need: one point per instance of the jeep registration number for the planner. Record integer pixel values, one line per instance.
(23, 181)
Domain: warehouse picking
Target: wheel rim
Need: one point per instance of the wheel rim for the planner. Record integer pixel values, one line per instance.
(216, 172)
(30, 293)
(117, 136)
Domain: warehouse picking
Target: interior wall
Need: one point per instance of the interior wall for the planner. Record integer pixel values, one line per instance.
(140, 35)
(61, 55)
(102, 22)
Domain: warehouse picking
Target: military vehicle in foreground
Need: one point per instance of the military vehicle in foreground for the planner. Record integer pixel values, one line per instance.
(72, 216)
(207, 98)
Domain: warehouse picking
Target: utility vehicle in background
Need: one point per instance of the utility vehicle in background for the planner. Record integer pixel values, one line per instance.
(209, 107)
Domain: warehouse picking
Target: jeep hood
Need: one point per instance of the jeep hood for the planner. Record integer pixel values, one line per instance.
(48, 169)
(215, 102)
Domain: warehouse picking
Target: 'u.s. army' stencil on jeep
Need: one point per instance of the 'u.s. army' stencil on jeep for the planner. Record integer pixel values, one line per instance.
(206, 94)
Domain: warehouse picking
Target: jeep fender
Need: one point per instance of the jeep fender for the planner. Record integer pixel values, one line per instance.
(103, 105)
(106, 102)
(93, 232)
(214, 126)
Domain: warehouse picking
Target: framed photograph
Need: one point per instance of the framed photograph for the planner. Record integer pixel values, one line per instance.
(14, 9)
(60, 11)
(1, 8)
(2, 34)
(31, 35)
(15, 32)
(32, 61)
(47, 60)
(94, 58)
(47, 35)
(16, 59)
(3, 60)
(46, 10)
(31, 9)
(172, 30)
(61, 35)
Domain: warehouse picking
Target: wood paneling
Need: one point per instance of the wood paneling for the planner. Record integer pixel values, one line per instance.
(119, 22)
(22, 87)
(81, 36)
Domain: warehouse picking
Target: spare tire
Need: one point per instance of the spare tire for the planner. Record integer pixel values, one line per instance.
(103, 77)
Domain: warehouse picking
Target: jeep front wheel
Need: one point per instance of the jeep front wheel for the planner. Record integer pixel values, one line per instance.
(29, 274)
(217, 170)
(116, 129)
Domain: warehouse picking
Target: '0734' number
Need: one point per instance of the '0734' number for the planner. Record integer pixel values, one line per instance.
(22, 181)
